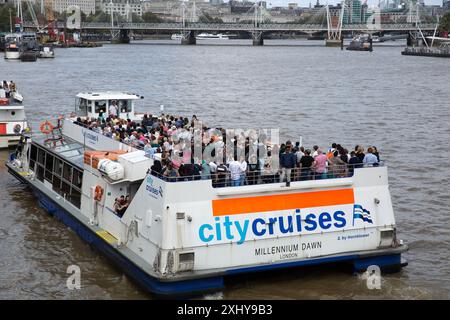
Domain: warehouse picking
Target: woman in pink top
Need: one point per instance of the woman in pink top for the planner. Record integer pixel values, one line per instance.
(320, 165)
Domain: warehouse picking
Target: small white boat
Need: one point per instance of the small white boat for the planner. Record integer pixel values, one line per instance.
(12, 51)
(210, 36)
(176, 36)
(46, 51)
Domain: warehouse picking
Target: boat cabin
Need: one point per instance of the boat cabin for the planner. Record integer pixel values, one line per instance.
(91, 104)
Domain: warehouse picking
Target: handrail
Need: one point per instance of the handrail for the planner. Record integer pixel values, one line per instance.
(223, 179)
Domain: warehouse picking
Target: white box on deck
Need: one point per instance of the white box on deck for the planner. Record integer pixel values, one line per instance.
(135, 164)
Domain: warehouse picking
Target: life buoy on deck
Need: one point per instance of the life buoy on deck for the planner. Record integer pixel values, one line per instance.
(98, 193)
(46, 127)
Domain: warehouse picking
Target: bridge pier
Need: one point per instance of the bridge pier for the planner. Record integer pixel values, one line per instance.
(258, 39)
(188, 38)
(333, 42)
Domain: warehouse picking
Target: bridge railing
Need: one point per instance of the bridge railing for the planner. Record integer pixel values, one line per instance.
(198, 26)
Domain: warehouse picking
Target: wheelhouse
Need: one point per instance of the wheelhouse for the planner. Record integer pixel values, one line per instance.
(93, 104)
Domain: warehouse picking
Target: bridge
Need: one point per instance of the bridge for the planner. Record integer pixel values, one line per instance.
(189, 29)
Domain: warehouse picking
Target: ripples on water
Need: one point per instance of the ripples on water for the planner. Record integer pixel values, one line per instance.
(400, 104)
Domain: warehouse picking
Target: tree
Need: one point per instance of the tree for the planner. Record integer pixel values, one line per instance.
(150, 17)
(206, 18)
(4, 16)
(445, 23)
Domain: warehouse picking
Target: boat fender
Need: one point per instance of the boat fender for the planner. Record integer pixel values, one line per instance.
(98, 193)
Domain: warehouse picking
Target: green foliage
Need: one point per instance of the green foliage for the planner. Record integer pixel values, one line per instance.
(445, 22)
(150, 17)
(4, 16)
(206, 18)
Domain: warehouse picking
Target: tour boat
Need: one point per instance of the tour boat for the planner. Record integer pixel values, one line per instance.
(12, 120)
(210, 36)
(185, 237)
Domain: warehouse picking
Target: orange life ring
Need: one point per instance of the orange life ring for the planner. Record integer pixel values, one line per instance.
(46, 127)
(98, 193)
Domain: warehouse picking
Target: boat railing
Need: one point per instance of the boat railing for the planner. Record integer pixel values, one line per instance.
(221, 179)
(131, 144)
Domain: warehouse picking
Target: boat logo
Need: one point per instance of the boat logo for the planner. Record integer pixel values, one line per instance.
(92, 137)
(154, 191)
(360, 213)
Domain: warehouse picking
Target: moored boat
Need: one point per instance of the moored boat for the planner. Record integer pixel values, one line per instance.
(12, 51)
(361, 42)
(46, 51)
(210, 36)
(179, 236)
(12, 120)
(176, 36)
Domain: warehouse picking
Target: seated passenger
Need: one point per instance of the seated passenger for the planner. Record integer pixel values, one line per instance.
(119, 206)
(171, 173)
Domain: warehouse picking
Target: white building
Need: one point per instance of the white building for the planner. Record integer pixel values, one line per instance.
(86, 6)
(122, 7)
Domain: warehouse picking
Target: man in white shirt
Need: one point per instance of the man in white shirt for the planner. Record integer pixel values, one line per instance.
(113, 109)
(235, 169)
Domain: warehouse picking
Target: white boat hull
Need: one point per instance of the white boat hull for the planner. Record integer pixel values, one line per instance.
(12, 55)
(7, 141)
(43, 54)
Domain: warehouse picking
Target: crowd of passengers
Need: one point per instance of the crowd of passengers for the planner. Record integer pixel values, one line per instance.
(159, 135)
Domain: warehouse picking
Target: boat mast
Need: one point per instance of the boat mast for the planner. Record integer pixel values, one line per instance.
(10, 20)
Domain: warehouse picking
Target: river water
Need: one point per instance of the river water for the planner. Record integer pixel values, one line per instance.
(399, 104)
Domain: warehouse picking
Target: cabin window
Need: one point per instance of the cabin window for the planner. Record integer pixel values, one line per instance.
(100, 105)
(82, 106)
(58, 167)
(33, 156)
(124, 106)
(49, 162)
(41, 156)
(56, 184)
(77, 178)
(75, 198)
(67, 172)
(40, 173)
(65, 188)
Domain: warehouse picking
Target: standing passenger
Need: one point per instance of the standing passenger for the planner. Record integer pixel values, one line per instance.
(288, 160)
(320, 165)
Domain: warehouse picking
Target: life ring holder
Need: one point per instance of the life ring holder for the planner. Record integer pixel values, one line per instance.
(98, 193)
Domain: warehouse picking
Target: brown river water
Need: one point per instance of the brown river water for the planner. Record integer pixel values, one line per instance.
(399, 104)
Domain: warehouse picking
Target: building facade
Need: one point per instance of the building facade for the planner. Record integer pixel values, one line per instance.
(446, 5)
(86, 6)
(122, 7)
